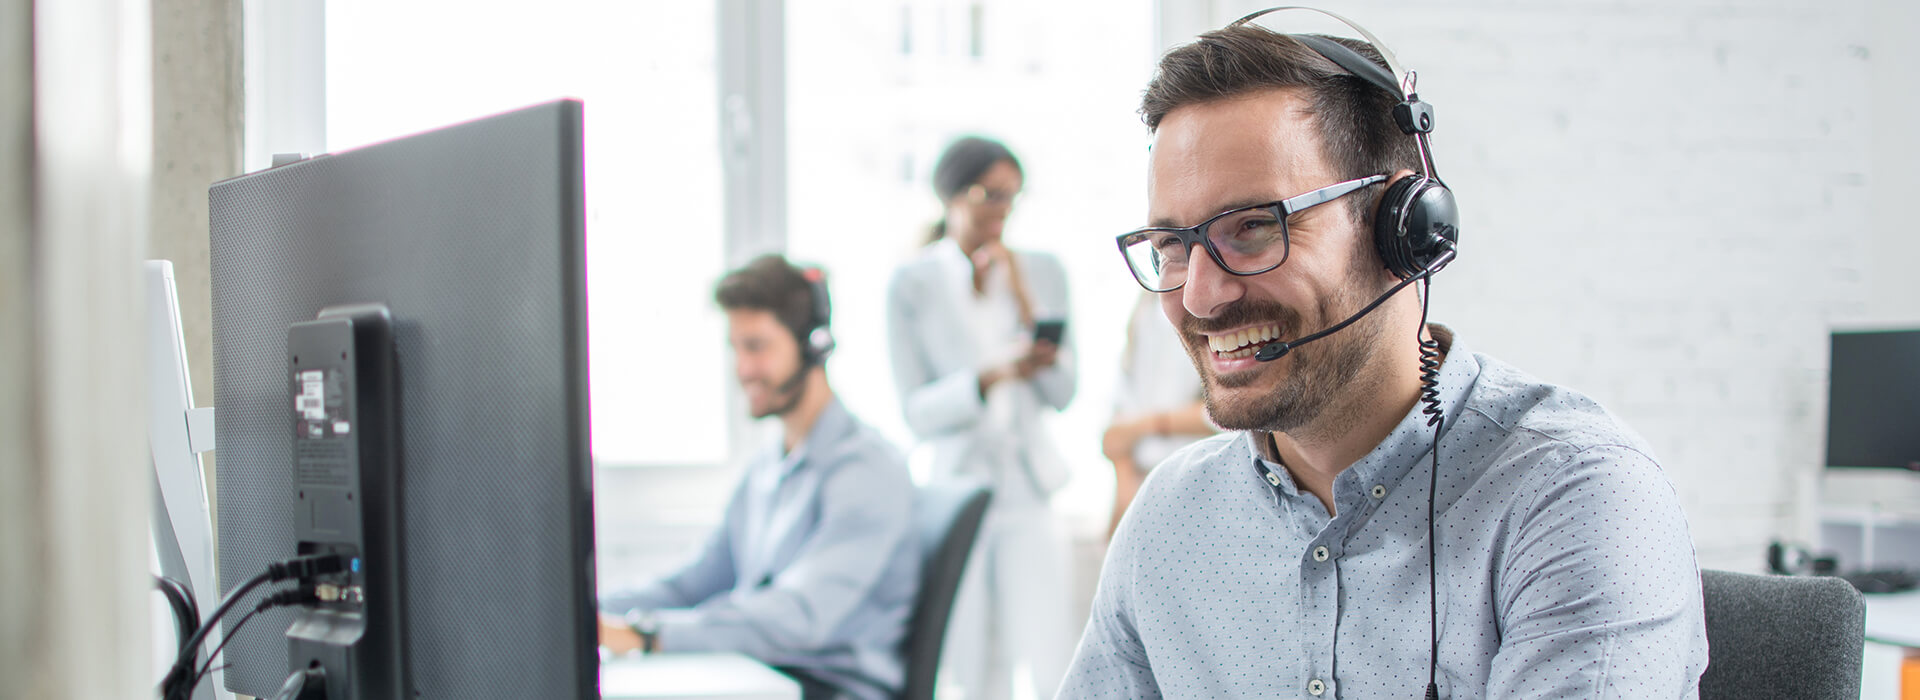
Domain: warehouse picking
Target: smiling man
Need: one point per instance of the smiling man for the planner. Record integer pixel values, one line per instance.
(816, 566)
(1323, 548)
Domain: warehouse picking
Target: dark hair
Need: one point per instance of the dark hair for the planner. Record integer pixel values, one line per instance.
(769, 283)
(960, 167)
(1355, 118)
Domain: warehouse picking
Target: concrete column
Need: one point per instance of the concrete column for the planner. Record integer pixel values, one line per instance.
(196, 141)
(197, 128)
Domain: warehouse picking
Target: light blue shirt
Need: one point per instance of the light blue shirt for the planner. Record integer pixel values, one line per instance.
(815, 567)
(1564, 566)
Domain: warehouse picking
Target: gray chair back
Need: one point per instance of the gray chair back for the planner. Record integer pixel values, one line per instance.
(1781, 637)
(947, 519)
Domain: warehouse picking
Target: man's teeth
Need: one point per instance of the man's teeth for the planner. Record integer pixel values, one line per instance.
(1242, 343)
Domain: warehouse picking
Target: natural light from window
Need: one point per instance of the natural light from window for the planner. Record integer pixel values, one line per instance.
(877, 88)
(646, 73)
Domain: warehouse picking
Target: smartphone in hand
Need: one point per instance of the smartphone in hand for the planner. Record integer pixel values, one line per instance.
(1050, 330)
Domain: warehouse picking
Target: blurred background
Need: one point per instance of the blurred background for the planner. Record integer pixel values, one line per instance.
(1667, 205)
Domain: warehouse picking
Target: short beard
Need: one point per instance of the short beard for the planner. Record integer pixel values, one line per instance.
(787, 395)
(1306, 405)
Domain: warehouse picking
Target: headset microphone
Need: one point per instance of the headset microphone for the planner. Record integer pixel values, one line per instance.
(1278, 349)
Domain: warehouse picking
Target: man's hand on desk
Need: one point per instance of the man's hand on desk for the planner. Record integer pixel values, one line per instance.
(617, 636)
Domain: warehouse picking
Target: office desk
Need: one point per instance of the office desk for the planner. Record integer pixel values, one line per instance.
(693, 676)
(1894, 618)
(1893, 626)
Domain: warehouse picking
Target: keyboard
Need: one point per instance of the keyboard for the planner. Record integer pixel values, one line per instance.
(1882, 580)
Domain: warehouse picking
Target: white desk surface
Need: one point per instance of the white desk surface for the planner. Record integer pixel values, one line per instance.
(693, 676)
(1894, 618)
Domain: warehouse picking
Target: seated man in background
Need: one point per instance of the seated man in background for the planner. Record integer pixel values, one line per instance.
(815, 568)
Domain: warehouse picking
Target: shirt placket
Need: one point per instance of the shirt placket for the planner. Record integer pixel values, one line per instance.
(1320, 600)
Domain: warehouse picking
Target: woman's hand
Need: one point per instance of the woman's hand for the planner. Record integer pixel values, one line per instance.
(1039, 355)
(992, 253)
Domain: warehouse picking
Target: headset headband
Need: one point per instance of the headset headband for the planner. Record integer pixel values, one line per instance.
(1399, 81)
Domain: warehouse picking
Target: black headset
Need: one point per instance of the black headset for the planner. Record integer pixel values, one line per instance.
(1415, 232)
(816, 340)
(1417, 221)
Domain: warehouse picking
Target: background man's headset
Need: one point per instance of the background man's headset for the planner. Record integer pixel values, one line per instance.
(816, 340)
(1415, 232)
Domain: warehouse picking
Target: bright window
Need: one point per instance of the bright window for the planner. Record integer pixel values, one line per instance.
(876, 88)
(646, 73)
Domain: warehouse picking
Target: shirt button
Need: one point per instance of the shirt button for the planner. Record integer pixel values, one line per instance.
(1273, 478)
(1316, 687)
(1379, 491)
(1319, 554)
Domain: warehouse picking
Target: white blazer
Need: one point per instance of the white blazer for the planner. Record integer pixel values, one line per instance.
(936, 368)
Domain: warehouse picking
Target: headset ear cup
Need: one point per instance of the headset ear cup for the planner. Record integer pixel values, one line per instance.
(1389, 232)
(819, 345)
(818, 342)
(1416, 222)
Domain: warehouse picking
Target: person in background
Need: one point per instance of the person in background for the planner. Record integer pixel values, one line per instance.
(976, 385)
(816, 566)
(1157, 408)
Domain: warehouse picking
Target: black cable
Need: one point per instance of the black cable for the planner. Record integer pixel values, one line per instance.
(1430, 395)
(298, 567)
(283, 598)
(208, 666)
(177, 683)
(186, 612)
(304, 684)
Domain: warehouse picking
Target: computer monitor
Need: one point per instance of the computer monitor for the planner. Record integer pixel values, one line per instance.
(472, 237)
(1873, 405)
(181, 531)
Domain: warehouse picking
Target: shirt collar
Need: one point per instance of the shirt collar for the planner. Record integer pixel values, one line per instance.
(951, 258)
(1409, 442)
(832, 426)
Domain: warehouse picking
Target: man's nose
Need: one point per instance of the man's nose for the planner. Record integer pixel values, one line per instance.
(1209, 288)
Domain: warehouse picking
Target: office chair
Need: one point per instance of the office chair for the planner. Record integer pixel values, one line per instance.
(1781, 637)
(947, 519)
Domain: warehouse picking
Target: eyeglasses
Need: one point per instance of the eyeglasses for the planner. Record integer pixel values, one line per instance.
(979, 194)
(1245, 241)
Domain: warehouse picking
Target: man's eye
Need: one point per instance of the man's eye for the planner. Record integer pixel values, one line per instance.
(1256, 226)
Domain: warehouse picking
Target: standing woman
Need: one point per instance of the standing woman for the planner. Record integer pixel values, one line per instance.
(976, 376)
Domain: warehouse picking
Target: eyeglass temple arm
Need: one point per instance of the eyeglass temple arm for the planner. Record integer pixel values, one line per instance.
(1328, 193)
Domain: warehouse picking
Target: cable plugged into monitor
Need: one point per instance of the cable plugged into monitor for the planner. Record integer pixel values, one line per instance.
(307, 567)
(305, 684)
(181, 678)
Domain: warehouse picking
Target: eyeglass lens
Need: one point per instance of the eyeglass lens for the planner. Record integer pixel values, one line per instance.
(1247, 241)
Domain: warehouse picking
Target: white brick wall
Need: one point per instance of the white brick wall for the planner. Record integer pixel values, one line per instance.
(1666, 205)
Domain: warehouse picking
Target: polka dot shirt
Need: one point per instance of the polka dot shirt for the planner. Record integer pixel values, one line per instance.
(1564, 564)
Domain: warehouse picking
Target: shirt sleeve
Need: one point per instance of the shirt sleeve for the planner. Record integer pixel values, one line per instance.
(709, 573)
(1111, 661)
(865, 515)
(934, 405)
(1599, 597)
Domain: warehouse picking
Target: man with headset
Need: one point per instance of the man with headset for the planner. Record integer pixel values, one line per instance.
(816, 567)
(1394, 511)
